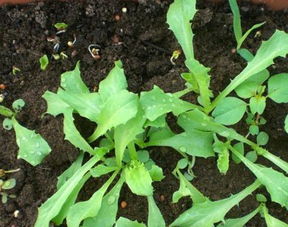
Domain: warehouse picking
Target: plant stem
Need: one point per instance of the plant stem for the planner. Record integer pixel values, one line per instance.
(132, 151)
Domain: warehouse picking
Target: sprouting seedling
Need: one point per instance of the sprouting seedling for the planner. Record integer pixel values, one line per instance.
(44, 61)
(4, 186)
(7, 185)
(94, 50)
(71, 43)
(240, 37)
(4, 172)
(175, 56)
(15, 70)
(61, 26)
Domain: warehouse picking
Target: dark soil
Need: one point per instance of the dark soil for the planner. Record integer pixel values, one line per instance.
(141, 39)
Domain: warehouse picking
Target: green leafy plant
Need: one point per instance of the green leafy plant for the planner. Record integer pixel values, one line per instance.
(129, 124)
(32, 147)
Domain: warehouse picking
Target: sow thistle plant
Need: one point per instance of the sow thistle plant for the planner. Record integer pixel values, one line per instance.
(128, 124)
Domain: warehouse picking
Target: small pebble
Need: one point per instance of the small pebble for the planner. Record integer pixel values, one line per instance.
(2, 86)
(123, 204)
(124, 10)
(162, 198)
(117, 17)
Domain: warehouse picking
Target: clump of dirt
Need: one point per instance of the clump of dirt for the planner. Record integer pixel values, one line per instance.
(141, 39)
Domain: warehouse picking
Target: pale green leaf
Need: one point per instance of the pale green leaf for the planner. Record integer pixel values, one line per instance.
(6, 112)
(8, 184)
(240, 148)
(126, 133)
(223, 161)
(113, 83)
(229, 111)
(18, 104)
(124, 222)
(71, 199)
(118, 110)
(286, 123)
(239, 222)
(254, 130)
(276, 46)
(251, 156)
(187, 189)
(156, 173)
(271, 221)
(242, 39)
(7, 124)
(73, 135)
(257, 104)
(156, 103)
(88, 105)
(275, 182)
(102, 169)
(159, 122)
(68, 173)
(262, 138)
(32, 147)
(71, 81)
(60, 26)
(44, 61)
(155, 217)
(55, 105)
(138, 178)
(193, 142)
(106, 216)
(89, 208)
(277, 88)
(179, 15)
(236, 20)
(207, 213)
(201, 74)
(54, 204)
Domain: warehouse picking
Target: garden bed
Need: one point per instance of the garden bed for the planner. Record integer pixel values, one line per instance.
(141, 39)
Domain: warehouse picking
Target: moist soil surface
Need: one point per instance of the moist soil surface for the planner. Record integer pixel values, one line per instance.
(141, 39)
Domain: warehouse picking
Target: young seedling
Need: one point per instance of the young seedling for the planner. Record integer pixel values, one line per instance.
(6, 185)
(44, 61)
(240, 37)
(32, 147)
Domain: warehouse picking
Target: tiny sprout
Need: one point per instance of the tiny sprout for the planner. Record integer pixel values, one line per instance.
(3, 172)
(2, 98)
(175, 55)
(16, 213)
(18, 104)
(60, 26)
(44, 61)
(94, 50)
(258, 34)
(56, 56)
(15, 70)
(70, 43)
(63, 55)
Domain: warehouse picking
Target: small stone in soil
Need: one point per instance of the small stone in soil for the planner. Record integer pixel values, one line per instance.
(123, 204)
